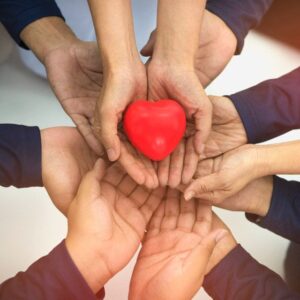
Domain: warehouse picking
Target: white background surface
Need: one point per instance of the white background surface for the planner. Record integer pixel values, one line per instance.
(30, 226)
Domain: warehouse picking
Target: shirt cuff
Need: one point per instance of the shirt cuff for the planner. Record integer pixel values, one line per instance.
(283, 217)
(29, 15)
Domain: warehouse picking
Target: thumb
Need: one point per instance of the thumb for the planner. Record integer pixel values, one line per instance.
(90, 188)
(203, 185)
(106, 129)
(198, 259)
(149, 47)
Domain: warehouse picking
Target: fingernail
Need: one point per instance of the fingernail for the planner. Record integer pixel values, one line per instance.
(112, 156)
(189, 195)
(220, 235)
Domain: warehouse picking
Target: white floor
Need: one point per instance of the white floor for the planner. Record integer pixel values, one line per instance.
(30, 226)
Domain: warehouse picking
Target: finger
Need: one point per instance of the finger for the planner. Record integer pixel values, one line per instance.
(139, 195)
(114, 174)
(154, 226)
(205, 168)
(127, 185)
(203, 222)
(89, 188)
(148, 48)
(187, 216)
(172, 210)
(151, 181)
(191, 159)
(106, 129)
(86, 131)
(203, 185)
(163, 171)
(152, 203)
(203, 123)
(176, 166)
(195, 264)
(132, 166)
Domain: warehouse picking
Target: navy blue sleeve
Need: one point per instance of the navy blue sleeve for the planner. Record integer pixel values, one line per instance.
(20, 156)
(283, 216)
(15, 15)
(270, 108)
(54, 276)
(240, 15)
(239, 276)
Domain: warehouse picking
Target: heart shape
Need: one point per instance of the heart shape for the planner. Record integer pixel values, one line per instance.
(155, 128)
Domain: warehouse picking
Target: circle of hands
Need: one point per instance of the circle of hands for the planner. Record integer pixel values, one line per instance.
(113, 208)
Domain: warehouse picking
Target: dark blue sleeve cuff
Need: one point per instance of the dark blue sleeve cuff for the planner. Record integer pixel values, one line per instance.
(54, 276)
(20, 156)
(270, 108)
(240, 16)
(17, 14)
(283, 217)
(239, 276)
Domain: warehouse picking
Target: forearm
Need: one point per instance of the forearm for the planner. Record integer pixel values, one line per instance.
(178, 31)
(113, 23)
(282, 214)
(17, 14)
(54, 276)
(270, 108)
(47, 34)
(239, 276)
(278, 158)
(20, 156)
(240, 16)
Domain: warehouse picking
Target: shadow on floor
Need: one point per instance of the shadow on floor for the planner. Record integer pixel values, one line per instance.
(282, 22)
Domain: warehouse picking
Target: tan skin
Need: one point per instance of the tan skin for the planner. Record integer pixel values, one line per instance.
(216, 47)
(229, 173)
(176, 251)
(108, 210)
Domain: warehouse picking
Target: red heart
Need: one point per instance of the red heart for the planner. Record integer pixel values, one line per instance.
(155, 128)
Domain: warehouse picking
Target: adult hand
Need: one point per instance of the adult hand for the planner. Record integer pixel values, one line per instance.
(75, 74)
(227, 174)
(73, 67)
(66, 158)
(120, 89)
(216, 48)
(106, 222)
(175, 251)
(227, 132)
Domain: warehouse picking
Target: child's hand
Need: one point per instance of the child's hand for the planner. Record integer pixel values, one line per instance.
(225, 175)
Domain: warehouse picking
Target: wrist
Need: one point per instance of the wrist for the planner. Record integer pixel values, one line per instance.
(47, 34)
(92, 268)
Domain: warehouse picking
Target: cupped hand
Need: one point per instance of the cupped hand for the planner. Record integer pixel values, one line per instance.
(227, 132)
(75, 74)
(66, 158)
(106, 222)
(175, 251)
(121, 88)
(216, 48)
(226, 174)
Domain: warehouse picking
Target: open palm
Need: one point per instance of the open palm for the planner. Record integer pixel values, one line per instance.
(110, 215)
(175, 252)
(75, 75)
